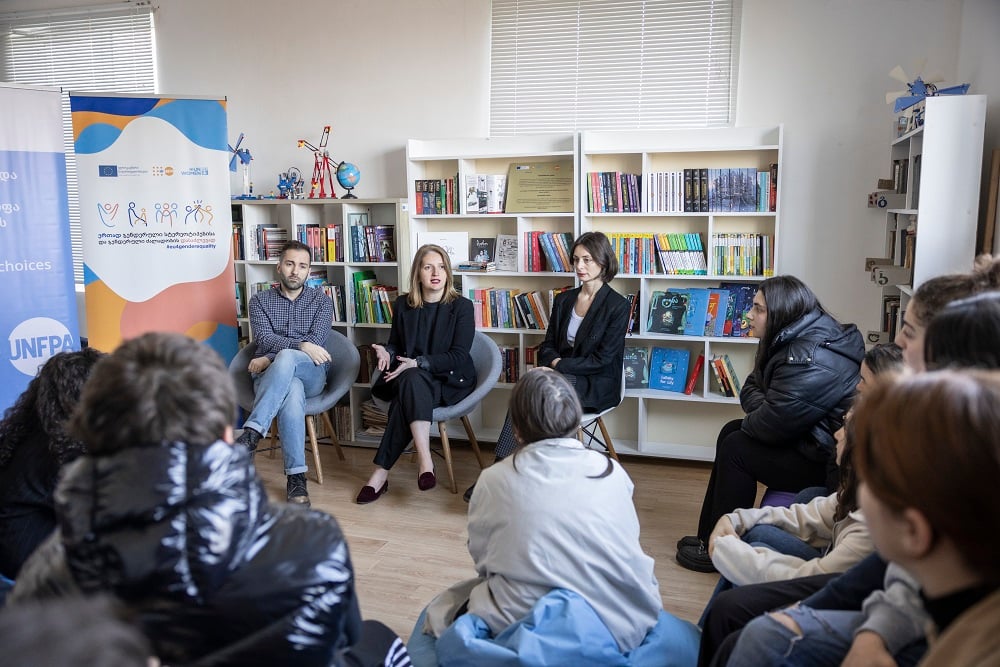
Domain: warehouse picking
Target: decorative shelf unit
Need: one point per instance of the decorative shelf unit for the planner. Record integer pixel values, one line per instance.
(291, 215)
(937, 170)
(652, 422)
(457, 159)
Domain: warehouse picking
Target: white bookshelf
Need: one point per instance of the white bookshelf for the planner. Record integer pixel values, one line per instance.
(290, 214)
(943, 159)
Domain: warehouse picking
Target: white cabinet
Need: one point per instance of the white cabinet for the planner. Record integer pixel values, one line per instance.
(937, 170)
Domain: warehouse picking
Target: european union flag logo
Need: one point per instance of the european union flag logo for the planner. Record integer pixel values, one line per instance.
(106, 170)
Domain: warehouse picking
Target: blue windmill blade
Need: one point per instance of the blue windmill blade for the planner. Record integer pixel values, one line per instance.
(235, 150)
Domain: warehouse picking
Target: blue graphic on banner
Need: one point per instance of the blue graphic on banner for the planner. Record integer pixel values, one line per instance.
(36, 269)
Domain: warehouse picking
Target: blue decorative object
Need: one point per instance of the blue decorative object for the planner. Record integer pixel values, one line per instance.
(348, 176)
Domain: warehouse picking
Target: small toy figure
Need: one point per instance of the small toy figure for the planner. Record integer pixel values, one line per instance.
(290, 184)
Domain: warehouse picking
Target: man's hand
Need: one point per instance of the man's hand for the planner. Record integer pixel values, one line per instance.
(384, 361)
(723, 527)
(317, 353)
(405, 363)
(258, 365)
(867, 650)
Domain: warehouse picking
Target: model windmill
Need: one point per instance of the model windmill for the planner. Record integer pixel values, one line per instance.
(242, 156)
(918, 89)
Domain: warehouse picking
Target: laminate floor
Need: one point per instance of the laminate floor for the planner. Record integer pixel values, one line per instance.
(409, 545)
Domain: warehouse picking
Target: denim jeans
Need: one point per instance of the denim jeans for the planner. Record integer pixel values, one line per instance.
(826, 637)
(772, 537)
(281, 391)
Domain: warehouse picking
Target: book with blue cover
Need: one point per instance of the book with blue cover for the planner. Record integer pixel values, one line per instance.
(744, 294)
(696, 315)
(668, 367)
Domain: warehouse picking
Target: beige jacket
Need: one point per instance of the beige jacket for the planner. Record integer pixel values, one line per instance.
(847, 540)
(971, 640)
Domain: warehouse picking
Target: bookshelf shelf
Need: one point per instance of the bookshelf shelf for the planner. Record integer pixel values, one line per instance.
(291, 215)
(936, 168)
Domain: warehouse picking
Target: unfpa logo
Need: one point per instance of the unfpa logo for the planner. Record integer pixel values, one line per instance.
(163, 171)
(34, 341)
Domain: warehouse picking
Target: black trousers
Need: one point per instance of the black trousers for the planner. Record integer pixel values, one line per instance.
(413, 395)
(741, 462)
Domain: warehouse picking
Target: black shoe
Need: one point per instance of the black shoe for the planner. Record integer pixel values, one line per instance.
(467, 496)
(249, 438)
(296, 487)
(695, 558)
(688, 541)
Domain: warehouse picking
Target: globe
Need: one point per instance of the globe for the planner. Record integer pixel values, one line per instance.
(348, 176)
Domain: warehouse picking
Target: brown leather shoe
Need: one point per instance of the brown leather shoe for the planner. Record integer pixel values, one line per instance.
(368, 494)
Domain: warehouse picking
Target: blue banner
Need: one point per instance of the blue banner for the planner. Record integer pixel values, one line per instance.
(38, 318)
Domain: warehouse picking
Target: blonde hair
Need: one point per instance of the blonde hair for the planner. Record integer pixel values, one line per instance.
(415, 297)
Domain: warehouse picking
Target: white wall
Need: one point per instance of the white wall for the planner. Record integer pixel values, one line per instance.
(383, 71)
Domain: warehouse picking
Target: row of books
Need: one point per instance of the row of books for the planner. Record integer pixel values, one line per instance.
(513, 309)
(335, 292)
(238, 253)
(742, 254)
(373, 243)
(436, 196)
(324, 243)
(670, 369)
(485, 193)
(700, 311)
(613, 192)
(269, 240)
(548, 251)
(373, 302)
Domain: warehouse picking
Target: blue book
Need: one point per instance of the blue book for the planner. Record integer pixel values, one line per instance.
(696, 315)
(744, 294)
(668, 368)
(716, 324)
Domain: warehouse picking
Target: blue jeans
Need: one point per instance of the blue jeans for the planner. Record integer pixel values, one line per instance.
(826, 637)
(281, 391)
(772, 537)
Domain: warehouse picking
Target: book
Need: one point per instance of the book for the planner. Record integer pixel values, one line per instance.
(385, 243)
(636, 367)
(720, 377)
(633, 317)
(476, 266)
(456, 244)
(506, 252)
(743, 302)
(666, 312)
(731, 375)
(668, 368)
(482, 249)
(696, 314)
(692, 380)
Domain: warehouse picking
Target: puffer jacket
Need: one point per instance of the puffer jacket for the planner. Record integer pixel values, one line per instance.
(806, 385)
(185, 536)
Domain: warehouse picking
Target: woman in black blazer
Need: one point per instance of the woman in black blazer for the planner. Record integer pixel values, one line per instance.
(425, 364)
(585, 339)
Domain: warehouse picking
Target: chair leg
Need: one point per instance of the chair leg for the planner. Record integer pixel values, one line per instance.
(272, 439)
(472, 440)
(311, 429)
(333, 436)
(446, 449)
(607, 440)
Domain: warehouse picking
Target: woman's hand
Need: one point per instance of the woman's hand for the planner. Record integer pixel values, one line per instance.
(405, 363)
(382, 357)
(555, 362)
(723, 527)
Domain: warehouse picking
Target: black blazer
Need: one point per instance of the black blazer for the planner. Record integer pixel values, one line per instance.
(596, 358)
(450, 342)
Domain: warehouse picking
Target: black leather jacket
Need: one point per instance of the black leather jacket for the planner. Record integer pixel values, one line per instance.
(185, 536)
(806, 385)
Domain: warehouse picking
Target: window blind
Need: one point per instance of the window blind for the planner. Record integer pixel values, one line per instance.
(98, 49)
(567, 65)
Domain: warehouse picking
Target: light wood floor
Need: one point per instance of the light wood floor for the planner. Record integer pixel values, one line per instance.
(410, 545)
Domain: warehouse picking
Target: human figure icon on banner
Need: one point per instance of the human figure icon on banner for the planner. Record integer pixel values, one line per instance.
(166, 212)
(107, 212)
(134, 217)
(198, 213)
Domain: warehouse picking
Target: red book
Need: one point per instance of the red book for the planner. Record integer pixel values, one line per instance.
(695, 372)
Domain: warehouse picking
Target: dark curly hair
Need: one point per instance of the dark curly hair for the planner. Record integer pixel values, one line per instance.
(46, 405)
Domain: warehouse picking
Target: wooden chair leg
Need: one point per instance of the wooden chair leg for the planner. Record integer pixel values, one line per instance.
(272, 438)
(311, 429)
(446, 449)
(333, 436)
(472, 440)
(607, 440)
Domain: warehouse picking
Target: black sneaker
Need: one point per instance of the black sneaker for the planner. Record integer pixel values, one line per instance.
(249, 438)
(296, 488)
(688, 541)
(467, 496)
(695, 558)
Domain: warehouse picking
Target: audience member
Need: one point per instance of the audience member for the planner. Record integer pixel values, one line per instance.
(795, 398)
(164, 513)
(425, 364)
(34, 446)
(553, 517)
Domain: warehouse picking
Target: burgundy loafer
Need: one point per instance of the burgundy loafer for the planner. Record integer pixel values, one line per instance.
(368, 494)
(426, 481)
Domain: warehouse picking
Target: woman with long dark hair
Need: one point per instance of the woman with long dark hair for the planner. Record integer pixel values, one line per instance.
(34, 445)
(795, 398)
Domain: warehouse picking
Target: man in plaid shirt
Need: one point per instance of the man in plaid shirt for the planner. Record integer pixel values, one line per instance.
(289, 325)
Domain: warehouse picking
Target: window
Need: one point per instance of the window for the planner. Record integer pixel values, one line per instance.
(566, 65)
(97, 49)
